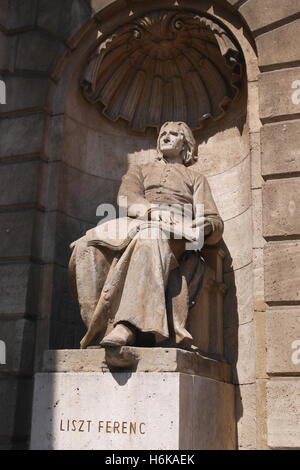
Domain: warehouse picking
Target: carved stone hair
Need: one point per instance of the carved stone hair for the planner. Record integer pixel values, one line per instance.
(189, 156)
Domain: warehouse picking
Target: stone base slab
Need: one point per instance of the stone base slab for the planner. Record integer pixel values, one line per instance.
(137, 360)
(132, 411)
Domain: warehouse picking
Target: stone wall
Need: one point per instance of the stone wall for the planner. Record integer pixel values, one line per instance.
(51, 183)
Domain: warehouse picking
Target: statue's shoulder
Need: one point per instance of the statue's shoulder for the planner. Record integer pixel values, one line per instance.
(195, 173)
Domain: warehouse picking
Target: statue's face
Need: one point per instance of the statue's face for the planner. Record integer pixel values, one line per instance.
(171, 142)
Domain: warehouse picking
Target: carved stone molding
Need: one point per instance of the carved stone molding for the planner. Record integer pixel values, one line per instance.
(166, 66)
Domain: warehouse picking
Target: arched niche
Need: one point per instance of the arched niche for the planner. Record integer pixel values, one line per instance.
(93, 152)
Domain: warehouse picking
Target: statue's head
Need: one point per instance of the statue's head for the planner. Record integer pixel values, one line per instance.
(176, 139)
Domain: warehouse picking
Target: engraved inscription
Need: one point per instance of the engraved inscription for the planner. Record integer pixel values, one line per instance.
(101, 426)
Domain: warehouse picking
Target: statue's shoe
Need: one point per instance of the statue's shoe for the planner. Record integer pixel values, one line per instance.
(121, 335)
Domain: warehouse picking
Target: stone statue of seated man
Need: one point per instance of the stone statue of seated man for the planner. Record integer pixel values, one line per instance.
(129, 283)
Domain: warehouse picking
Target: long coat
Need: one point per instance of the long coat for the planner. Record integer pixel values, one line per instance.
(146, 280)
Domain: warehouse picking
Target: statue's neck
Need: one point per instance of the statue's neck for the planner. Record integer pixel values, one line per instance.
(172, 160)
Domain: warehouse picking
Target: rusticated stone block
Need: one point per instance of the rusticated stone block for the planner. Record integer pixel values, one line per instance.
(37, 52)
(237, 241)
(83, 193)
(231, 190)
(258, 278)
(13, 288)
(63, 18)
(227, 141)
(246, 416)
(25, 92)
(258, 240)
(16, 233)
(260, 13)
(283, 402)
(281, 203)
(278, 95)
(283, 341)
(255, 145)
(272, 46)
(4, 13)
(21, 13)
(240, 352)
(238, 301)
(18, 336)
(15, 396)
(281, 148)
(22, 135)
(19, 183)
(4, 41)
(282, 271)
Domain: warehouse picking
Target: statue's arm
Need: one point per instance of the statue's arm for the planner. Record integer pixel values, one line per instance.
(132, 193)
(213, 222)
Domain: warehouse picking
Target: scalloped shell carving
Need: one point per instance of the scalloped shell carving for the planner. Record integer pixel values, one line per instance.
(165, 66)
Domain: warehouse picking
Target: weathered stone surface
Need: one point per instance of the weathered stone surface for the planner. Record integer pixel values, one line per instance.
(256, 172)
(99, 5)
(4, 13)
(19, 183)
(26, 92)
(283, 341)
(144, 360)
(276, 93)
(63, 18)
(13, 288)
(239, 345)
(85, 193)
(260, 335)
(257, 211)
(43, 58)
(238, 241)
(282, 272)
(18, 336)
(231, 190)
(281, 148)
(238, 300)
(272, 45)
(261, 415)
(16, 414)
(246, 416)
(90, 150)
(21, 14)
(160, 406)
(258, 276)
(253, 108)
(281, 203)
(227, 141)
(283, 401)
(21, 128)
(55, 138)
(16, 229)
(67, 229)
(4, 41)
(259, 14)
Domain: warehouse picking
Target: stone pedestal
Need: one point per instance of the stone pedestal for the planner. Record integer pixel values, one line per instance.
(170, 399)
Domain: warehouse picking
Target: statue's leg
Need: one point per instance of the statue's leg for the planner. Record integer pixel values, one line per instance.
(142, 303)
(88, 269)
(184, 286)
(177, 300)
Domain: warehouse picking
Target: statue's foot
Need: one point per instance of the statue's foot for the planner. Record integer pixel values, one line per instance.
(121, 335)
